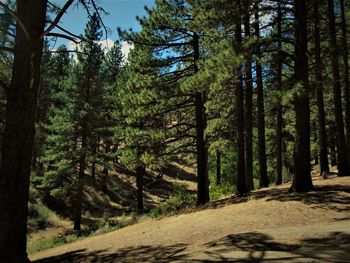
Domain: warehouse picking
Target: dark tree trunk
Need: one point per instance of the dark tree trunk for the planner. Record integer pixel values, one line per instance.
(93, 164)
(342, 153)
(346, 76)
(241, 182)
(218, 168)
(279, 116)
(105, 166)
(18, 136)
(302, 181)
(332, 143)
(202, 166)
(322, 134)
(248, 107)
(79, 183)
(263, 179)
(140, 171)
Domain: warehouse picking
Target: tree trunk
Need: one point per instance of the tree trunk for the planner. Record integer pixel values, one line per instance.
(218, 168)
(346, 76)
(202, 166)
(279, 115)
(302, 181)
(18, 136)
(342, 154)
(93, 164)
(79, 183)
(241, 182)
(248, 107)
(332, 143)
(263, 179)
(140, 171)
(322, 134)
(105, 166)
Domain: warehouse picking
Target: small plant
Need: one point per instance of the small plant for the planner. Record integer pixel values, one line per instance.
(220, 191)
(38, 217)
(179, 200)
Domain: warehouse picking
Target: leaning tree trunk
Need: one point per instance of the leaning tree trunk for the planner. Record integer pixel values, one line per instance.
(279, 115)
(202, 163)
(241, 183)
(263, 179)
(342, 154)
(346, 75)
(302, 181)
(18, 137)
(248, 107)
(322, 134)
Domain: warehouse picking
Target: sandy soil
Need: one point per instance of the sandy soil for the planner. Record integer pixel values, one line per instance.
(269, 225)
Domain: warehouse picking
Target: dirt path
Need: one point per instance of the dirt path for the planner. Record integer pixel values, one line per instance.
(269, 225)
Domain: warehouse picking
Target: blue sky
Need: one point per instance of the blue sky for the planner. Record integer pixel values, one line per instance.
(122, 13)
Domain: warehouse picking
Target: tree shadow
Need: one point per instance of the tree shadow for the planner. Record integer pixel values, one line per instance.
(259, 247)
(246, 247)
(176, 172)
(129, 254)
(329, 197)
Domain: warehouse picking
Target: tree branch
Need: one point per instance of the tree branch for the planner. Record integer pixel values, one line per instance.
(8, 49)
(62, 36)
(57, 19)
(19, 21)
(3, 84)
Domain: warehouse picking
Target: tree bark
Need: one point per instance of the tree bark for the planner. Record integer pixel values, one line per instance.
(79, 183)
(202, 165)
(332, 143)
(279, 127)
(218, 168)
(106, 160)
(322, 133)
(342, 154)
(18, 136)
(346, 76)
(248, 106)
(263, 179)
(93, 163)
(241, 182)
(140, 171)
(302, 181)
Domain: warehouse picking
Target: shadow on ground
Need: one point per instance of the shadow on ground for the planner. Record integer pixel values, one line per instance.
(330, 197)
(247, 247)
(128, 254)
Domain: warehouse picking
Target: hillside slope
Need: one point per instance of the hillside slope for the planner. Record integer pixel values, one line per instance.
(269, 225)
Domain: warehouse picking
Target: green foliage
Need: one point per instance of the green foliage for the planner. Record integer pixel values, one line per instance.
(96, 228)
(38, 213)
(179, 200)
(220, 191)
(46, 243)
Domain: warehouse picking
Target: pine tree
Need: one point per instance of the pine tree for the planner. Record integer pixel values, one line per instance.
(302, 179)
(342, 155)
(18, 136)
(263, 179)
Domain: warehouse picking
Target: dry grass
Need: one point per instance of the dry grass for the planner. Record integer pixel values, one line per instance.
(274, 215)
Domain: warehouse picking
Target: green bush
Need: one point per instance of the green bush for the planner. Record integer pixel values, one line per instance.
(46, 243)
(38, 213)
(179, 200)
(219, 191)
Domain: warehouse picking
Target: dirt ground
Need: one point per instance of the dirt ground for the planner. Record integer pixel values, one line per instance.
(269, 225)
